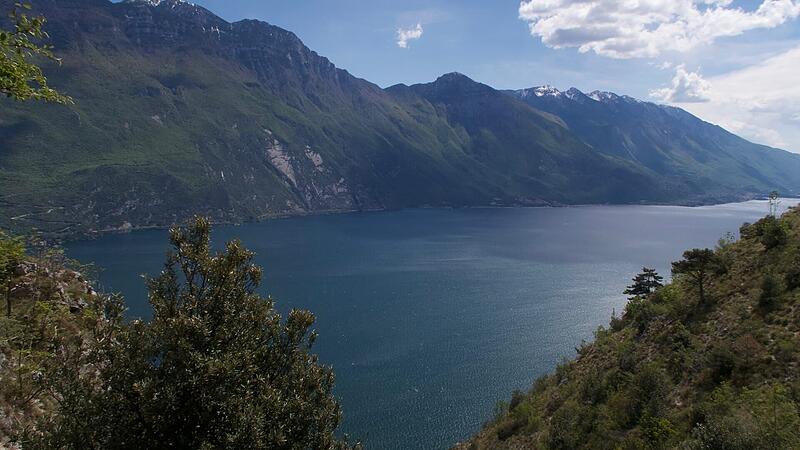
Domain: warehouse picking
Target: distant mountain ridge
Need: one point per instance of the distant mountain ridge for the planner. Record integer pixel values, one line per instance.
(179, 112)
(667, 141)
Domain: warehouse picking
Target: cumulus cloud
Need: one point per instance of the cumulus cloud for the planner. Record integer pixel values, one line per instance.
(646, 28)
(408, 34)
(687, 87)
(760, 102)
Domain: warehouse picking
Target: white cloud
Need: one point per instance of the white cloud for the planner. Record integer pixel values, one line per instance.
(760, 102)
(666, 65)
(646, 28)
(687, 87)
(407, 34)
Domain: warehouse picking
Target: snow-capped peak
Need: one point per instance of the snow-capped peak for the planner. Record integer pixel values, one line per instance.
(541, 91)
(160, 2)
(546, 90)
(602, 96)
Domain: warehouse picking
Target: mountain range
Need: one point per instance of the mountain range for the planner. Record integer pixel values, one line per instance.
(178, 111)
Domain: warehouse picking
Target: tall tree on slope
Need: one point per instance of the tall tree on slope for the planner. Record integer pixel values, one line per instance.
(645, 283)
(217, 367)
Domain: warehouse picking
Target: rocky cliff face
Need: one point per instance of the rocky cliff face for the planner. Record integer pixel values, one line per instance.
(35, 281)
(48, 302)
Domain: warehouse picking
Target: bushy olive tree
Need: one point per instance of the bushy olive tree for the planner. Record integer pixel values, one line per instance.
(217, 367)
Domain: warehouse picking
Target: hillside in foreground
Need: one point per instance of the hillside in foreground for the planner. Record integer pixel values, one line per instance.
(684, 368)
(216, 367)
(692, 365)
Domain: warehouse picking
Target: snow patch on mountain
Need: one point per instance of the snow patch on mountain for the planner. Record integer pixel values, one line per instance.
(550, 91)
(603, 96)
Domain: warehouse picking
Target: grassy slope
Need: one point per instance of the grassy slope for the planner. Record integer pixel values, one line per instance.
(675, 374)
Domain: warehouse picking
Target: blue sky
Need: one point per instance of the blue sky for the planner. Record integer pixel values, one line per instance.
(485, 40)
(704, 55)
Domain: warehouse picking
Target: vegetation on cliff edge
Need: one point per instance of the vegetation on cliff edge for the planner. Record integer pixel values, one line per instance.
(709, 361)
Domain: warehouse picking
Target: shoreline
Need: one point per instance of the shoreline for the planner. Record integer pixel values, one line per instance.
(97, 234)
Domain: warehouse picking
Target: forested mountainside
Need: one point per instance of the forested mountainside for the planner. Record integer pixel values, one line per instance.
(709, 361)
(177, 112)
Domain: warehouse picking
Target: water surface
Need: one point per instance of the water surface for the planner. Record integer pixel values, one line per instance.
(429, 317)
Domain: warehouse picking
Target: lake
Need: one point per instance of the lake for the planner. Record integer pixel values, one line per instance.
(431, 316)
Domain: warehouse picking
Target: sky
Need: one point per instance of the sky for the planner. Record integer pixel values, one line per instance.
(735, 63)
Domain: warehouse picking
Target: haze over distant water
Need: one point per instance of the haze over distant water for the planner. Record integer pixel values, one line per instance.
(431, 316)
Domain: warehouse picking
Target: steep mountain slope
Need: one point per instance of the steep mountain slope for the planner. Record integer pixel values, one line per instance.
(178, 112)
(533, 151)
(683, 368)
(687, 152)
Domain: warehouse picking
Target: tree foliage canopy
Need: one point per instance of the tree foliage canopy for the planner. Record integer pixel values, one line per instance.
(20, 78)
(697, 264)
(645, 283)
(12, 250)
(217, 367)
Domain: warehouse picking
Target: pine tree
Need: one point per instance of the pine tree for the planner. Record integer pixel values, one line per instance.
(697, 264)
(645, 283)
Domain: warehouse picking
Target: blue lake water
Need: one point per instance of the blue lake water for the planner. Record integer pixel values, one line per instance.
(429, 317)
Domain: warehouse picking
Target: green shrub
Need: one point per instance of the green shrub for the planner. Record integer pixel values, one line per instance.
(771, 290)
(509, 426)
(792, 278)
(787, 350)
(650, 387)
(570, 425)
(626, 355)
(773, 234)
(754, 419)
(721, 363)
(592, 388)
(657, 431)
(640, 311)
(517, 397)
(747, 353)
(12, 250)
(748, 231)
(770, 231)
